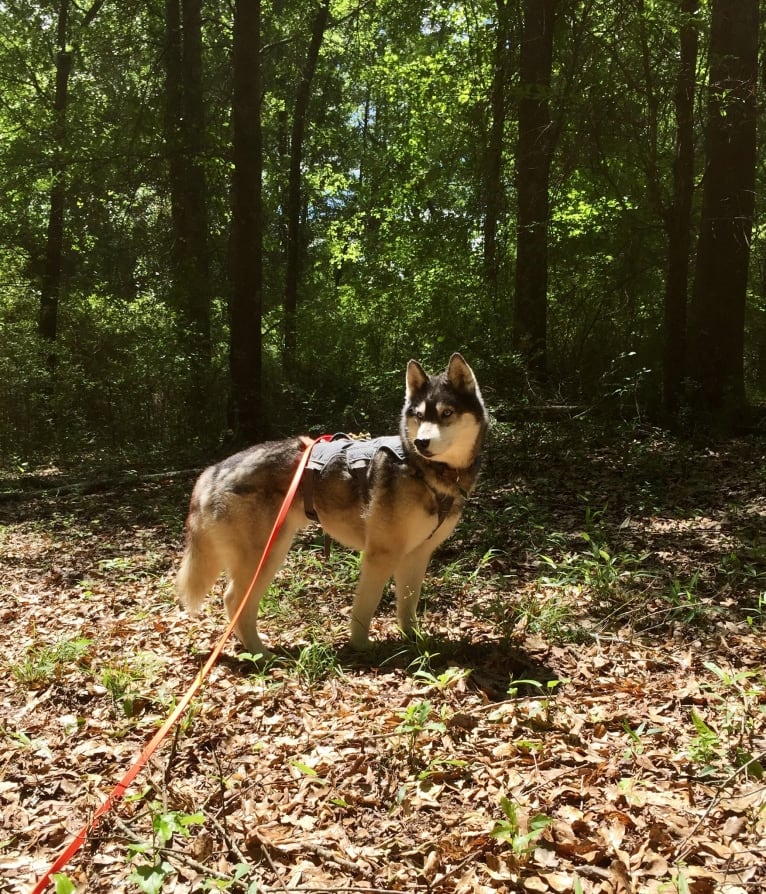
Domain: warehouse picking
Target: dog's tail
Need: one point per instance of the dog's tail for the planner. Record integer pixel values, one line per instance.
(200, 567)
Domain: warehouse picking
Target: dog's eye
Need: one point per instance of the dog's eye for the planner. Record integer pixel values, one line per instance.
(418, 414)
(447, 413)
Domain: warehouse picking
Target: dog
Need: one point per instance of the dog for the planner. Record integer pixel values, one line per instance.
(396, 499)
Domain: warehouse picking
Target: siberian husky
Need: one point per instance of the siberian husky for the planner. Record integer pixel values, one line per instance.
(396, 499)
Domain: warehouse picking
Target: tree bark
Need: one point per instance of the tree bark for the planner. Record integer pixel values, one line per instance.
(293, 206)
(533, 161)
(50, 289)
(246, 264)
(679, 219)
(717, 310)
(54, 242)
(493, 162)
(185, 138)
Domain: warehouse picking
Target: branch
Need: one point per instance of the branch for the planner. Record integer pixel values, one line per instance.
(91, 13)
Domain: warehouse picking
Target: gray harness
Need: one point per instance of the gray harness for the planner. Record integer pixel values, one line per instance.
(358, 456)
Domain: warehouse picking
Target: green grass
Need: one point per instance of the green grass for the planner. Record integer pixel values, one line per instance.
(315, 663)
(43, 665)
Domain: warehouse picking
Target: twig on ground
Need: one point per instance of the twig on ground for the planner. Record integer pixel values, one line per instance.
(679, 851)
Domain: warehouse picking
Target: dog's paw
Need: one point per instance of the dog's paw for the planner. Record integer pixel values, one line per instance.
(360, 640)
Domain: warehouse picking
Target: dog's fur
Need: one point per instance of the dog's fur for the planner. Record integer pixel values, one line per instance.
(398, 519)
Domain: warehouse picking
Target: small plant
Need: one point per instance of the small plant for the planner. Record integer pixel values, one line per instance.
(43, 664)
(735, 744)
(684, 601)
(64, 885)
(756, 614)
(516, 830)
(415, 721)
(309, 772)
(422, 668)
(548, 687)
(543, 613)
(466, 569)
(257, 659)
(705, 747)
(602, 569)
(127, 684)
(445, 680)
(119, 684)
(636, 738)
(241, 870)
(598, 568)
(316, 662)
(150, 876)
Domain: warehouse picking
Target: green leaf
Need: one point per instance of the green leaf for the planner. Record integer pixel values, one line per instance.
(64, 885)
(150, 879)
(703, 730)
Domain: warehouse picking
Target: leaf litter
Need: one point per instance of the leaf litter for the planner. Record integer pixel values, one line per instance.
(584, 711)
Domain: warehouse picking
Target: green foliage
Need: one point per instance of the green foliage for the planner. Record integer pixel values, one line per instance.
(392, 231)
(44, 664)
(150, 876)
(415, 723)
(725, 743)
(519, 835)
(63, 884)
(316, 662)
(129, 685)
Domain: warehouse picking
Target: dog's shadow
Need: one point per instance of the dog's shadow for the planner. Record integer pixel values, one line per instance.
(493, 667)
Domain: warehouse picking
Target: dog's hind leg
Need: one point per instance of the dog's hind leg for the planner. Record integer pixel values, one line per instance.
(241, 574)
(199, 570)
(409, 576)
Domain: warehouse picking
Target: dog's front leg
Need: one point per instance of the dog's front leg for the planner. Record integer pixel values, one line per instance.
(377, 568)
(409, 576)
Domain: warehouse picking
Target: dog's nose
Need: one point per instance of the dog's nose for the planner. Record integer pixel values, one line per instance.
(422, 443)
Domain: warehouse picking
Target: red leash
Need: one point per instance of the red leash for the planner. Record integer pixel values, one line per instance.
(119, 790)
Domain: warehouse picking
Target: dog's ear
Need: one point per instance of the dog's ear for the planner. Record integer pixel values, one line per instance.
(417, 378)
(460, 374)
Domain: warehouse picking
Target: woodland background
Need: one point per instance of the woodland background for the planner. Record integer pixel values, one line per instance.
(222, 221)
(245, 217)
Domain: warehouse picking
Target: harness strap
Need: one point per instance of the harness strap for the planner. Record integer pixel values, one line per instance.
(359, 456)
(307, 486)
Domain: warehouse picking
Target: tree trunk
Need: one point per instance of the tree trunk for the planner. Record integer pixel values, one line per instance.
(293, 208)
(54, 243)
(185, 138)
(493, 163)
(50, 289)
(717, 310)
(679, 221)
(533, 161)
(246, 225)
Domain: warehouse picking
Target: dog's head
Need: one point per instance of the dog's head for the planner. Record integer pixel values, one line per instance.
(444, 418)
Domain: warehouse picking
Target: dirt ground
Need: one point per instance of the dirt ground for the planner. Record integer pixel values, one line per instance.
(585, 709)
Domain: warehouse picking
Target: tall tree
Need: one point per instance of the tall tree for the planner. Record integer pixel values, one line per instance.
(493, 157)
(185, 138)
(533, 162)
(246, 308)
(54, 246)
(293, 209)
(54, 243)
(679, 215)
(717, 311)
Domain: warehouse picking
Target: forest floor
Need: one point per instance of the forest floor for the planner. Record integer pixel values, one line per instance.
(585, 709)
